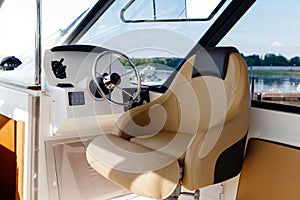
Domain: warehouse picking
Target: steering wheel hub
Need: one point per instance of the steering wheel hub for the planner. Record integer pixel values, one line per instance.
(112, 80)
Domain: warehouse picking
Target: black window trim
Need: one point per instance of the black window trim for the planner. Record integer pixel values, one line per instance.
(275, 106)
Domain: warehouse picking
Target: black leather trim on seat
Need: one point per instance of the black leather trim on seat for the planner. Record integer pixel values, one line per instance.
(229, 163)
(212, 61)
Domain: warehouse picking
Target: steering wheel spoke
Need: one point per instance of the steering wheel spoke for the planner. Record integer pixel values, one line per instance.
(123, 90)
(127, 73)
(110, 64)
(108, 81)
(100, 75)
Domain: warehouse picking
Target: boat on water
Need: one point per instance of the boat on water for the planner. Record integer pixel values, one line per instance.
(145, 100)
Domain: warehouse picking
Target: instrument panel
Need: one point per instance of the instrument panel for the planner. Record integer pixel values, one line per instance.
(73, 97)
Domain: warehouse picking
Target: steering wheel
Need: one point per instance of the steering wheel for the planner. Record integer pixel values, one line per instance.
(107, 79)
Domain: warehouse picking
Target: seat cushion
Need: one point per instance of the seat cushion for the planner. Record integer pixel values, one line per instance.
(153, 174)
(170, 143)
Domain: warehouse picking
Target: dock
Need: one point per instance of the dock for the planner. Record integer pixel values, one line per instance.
(292, 98)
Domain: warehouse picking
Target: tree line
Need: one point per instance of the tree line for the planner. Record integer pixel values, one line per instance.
(251, 60)
(157, 62)
(271, 60)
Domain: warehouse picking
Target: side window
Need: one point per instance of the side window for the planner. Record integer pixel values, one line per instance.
(268, 38)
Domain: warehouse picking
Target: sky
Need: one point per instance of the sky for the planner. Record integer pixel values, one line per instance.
(277, 23)
(270, 26)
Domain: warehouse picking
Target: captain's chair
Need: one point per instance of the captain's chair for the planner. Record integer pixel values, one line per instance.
(193, 135)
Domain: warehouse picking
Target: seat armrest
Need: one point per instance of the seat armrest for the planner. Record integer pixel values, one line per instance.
(142, 120)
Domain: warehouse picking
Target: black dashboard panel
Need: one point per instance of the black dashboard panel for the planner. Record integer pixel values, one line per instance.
(78, 48)
(76, 98)
(142, 99)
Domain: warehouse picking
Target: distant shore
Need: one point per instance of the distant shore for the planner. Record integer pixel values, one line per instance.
(273, 73)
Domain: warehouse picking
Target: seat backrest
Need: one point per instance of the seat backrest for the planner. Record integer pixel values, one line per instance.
(219, 81)
(270, 171)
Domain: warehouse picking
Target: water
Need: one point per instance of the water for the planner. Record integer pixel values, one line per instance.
(278, 83)
(262, 83)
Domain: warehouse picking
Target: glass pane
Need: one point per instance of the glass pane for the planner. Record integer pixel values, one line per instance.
(201, 8)
(17, 21)
(170, 9)
(140, 10)
(17, 35)
(268, 37)
(137, 11)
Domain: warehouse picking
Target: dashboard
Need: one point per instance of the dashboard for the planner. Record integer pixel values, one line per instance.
(73, 95)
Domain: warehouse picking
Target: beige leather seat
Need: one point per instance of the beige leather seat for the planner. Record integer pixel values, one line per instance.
(199, 125)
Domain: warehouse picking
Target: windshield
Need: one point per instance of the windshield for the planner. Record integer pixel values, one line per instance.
(156, 47)
(18, 25)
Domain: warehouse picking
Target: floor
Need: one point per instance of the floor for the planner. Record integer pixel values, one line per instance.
(76, 180)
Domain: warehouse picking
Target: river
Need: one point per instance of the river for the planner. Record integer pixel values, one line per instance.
(262, 83)
(278, 83)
